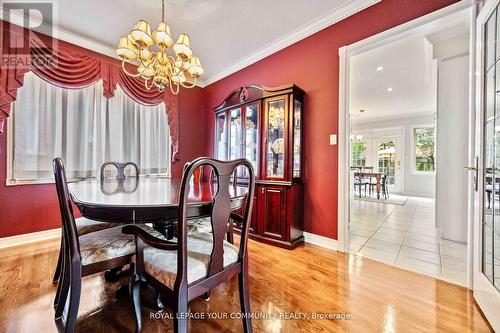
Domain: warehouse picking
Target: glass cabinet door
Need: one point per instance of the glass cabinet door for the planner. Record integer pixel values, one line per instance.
(221, 137)
(235, 134)
(252, 135)
(275, 138)
(297, 128)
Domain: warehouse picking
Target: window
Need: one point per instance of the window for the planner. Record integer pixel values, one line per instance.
(424, 144)
(358, 154)
(85, 129)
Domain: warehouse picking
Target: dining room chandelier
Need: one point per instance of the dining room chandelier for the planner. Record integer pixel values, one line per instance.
(149, 51)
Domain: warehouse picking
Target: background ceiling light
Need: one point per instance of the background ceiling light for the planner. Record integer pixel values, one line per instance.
(379, 68)
(390, 89)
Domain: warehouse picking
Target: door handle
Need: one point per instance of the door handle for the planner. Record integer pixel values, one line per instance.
(475, 169)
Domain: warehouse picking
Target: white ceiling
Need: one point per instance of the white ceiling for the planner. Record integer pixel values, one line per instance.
(223, 32)
(408, 68)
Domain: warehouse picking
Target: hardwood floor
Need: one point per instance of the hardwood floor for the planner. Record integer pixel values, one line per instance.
(309, 279)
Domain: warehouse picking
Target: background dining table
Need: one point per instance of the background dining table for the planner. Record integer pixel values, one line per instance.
(371, 174)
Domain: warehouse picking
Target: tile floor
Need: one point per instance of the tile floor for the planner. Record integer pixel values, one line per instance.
(405, 236)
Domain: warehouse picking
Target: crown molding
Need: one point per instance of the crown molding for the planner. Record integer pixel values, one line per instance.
(330, 18)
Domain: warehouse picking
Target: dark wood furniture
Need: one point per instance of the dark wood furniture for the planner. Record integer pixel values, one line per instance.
(120, 169)
(84, 225)
(376, 175)
(212, 260)
(265, 125)
(83, 255)
(147, 199)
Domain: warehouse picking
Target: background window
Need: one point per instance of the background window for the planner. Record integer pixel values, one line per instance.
(358, 154)
(85, 129)
(424, 140)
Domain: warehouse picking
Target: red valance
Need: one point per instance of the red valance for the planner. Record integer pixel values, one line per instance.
(74, 68)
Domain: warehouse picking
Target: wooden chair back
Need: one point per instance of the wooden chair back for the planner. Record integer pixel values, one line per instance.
(220, 213)
(120, 169)
(70, 232)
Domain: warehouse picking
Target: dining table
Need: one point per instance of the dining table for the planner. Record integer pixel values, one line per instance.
(144, 199)
(371, 174)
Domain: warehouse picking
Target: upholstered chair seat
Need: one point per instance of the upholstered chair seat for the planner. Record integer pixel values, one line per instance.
(105, 245)
(85, 226)
(199, 225)
(162, 264)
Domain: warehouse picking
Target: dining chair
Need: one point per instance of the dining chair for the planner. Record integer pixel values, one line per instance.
(85, 226)
(360, 181)
(203, 224)
(120, 169)
(91, 253)
(192, 265)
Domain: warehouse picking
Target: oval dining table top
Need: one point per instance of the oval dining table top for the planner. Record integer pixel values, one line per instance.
(143, 192)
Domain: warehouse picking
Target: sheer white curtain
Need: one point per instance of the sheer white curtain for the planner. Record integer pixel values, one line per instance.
(85, 129)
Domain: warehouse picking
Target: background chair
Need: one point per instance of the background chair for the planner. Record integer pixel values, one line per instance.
(183, 270)
(120, 169)
(359, 182)
(83, 255)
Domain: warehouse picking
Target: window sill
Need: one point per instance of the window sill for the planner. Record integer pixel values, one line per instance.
(423, 173)
(19, 182)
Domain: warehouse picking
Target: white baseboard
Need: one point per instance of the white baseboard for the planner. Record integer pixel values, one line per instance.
(33, 237)
(322, 241)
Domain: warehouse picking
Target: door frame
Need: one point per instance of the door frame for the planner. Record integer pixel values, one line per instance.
(486, 295)
(405, 30)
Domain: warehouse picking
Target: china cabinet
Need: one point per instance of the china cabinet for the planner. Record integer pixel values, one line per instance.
(265, 125)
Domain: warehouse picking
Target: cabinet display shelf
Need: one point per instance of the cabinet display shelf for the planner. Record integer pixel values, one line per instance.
(265, 125)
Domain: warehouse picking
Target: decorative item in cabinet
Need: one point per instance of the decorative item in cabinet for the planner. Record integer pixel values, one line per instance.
(265, 126)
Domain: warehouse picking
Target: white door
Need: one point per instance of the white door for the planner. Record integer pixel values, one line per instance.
(387, 159)
(487, 196)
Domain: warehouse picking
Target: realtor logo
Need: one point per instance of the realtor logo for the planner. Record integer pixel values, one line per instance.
(26, 35)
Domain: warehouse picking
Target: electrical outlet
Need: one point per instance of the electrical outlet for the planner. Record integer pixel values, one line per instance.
(333, 139)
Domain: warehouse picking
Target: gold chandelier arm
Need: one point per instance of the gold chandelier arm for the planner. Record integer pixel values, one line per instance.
(189, 86)
(171, 89)
(127, 72)
(172, 68)
(146, 83)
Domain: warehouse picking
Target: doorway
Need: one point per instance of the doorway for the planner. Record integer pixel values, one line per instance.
(404, 128)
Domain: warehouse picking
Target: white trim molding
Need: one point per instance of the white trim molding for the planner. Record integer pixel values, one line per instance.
(322, 241)
(336, 15)
(33, 237)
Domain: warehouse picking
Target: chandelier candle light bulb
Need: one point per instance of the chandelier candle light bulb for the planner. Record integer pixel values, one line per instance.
(149, 52)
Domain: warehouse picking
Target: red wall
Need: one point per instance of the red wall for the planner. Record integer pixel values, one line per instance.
(30, 208)
(312, 64)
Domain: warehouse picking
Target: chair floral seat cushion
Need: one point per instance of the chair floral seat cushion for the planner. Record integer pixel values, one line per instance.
(85, 226)
(162, 265)
(199, 225)
(105, 245)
